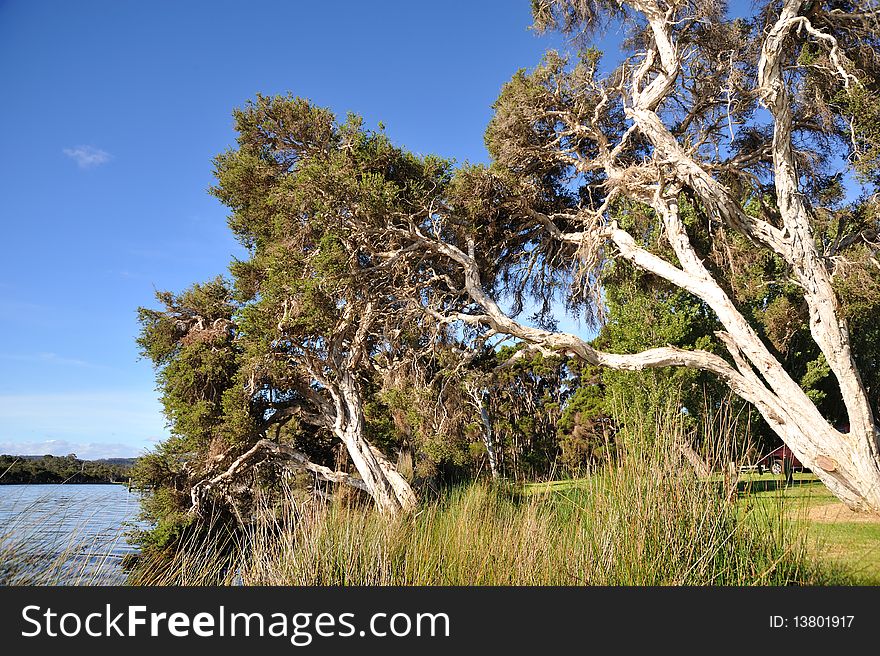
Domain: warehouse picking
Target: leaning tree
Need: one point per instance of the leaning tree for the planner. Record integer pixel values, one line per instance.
(288, 356)
(730, 129)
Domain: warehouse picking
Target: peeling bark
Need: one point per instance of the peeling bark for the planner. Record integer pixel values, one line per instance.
(694, 460)
(848, 463)
(257, 453)
(391, 492)
(476, 394)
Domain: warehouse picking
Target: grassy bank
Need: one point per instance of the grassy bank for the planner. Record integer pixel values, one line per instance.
(649, 522)
(642, 518)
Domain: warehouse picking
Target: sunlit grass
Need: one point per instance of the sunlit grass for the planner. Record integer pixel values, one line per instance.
(835, 537)
(644, 520)
(642, 517)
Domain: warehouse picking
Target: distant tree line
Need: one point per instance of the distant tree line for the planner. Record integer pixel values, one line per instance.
(62, 469)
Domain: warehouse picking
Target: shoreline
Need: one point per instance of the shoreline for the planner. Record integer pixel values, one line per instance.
(2, 482)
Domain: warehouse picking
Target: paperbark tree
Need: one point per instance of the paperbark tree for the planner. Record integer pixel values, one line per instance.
(739, 119)
(229, 401)
(302, 331)
(477, 395)
(313, 320)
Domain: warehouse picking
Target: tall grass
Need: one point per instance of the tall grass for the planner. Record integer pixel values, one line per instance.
(52, 550)
(643, 519)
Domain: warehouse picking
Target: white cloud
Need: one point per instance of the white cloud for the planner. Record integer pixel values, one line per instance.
(47, 358)
(93, 422)
(83, 450)
(87, 157)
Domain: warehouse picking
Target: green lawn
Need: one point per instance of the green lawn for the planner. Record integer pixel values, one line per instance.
(852, 543)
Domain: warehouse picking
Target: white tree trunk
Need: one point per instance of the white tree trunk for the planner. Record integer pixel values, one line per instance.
(489, 439)
(693, 458)
(295, 458)
(848, 463)
(476, 394)
(390, 491)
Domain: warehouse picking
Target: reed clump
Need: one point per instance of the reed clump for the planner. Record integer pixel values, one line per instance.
(643, 518)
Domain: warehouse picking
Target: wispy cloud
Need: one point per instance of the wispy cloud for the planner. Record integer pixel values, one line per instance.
(129, 417)
(87, 157)
(83, 450)
(47, 358)
(127, 274)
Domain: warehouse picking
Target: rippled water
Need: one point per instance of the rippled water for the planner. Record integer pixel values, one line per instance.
(65, 534)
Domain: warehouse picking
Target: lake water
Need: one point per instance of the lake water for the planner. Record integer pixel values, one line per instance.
(65, 534)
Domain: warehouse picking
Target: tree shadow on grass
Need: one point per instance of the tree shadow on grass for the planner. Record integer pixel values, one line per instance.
(769, 485)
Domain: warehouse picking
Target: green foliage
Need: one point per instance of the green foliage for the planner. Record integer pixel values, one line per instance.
(645, 313)
(858, 104)
(191, 344)
(586, 430)
(525, 399)
(334, 281)
(300, 313)
(433, 421)
(580, 19)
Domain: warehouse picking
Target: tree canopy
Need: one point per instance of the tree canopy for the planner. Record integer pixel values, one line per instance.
(693, 203)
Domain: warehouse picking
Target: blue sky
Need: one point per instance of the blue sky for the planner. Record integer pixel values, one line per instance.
(111, 114)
